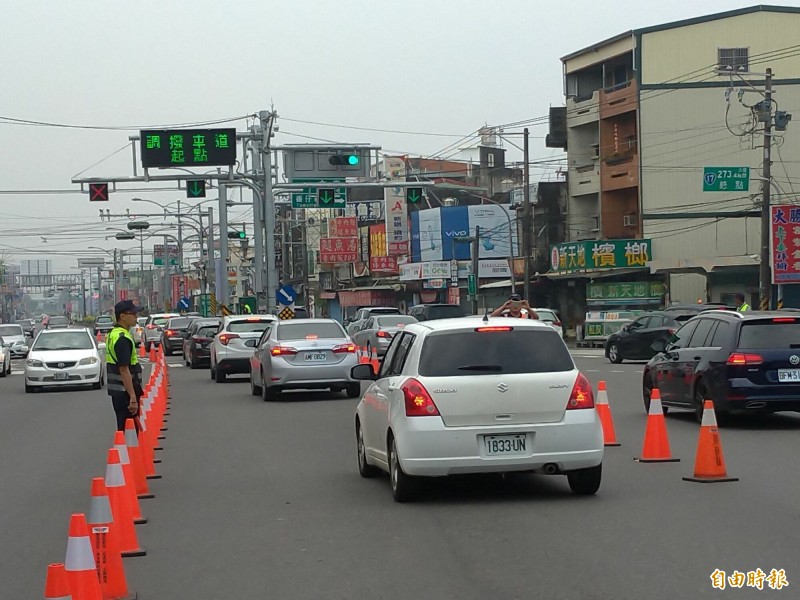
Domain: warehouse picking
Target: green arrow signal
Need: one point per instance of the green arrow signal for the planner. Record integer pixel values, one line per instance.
(197, 189)
(414, 195)
(326, 196)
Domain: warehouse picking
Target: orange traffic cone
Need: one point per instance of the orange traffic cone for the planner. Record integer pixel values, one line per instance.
(79, 563)
(604, 412)
(376, 364)
(141, 350)
(709, 464)
(363, 357)
(120, 507)
(152, 356)
(56, 586)
(656, 442)
(105, 545)
(135, 455)
(127, 472)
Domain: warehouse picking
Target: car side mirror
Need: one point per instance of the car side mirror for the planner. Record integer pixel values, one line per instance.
(659, 345)
(363, 373)
(250, 343)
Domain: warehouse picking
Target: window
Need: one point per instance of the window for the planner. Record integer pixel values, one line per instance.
(490, 159)
(769, 334)
(640, 323)
(657, 321)
(733, 59)
(255, 326)
(721, 335)
(301, 331)
(401, 354)
(682, 336)
(68, 340)
(180, 323)
(522, 350)
(398, 321)
(11, 330)
(701, 333)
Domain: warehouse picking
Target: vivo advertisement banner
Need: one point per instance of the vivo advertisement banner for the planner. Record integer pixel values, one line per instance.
(434, 232)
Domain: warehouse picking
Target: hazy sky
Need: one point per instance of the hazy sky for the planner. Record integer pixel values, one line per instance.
(435, 66)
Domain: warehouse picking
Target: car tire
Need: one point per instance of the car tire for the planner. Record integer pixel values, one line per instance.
(647, 389)
(192, 362)
(404, 487)
(353, 390)
(585, 482)
(269, 394)
(700, 396)
(614, 356)
(255, 390)
(219, 375)
(4, 371)
(365, 469)
(29, 389)
(98, 385)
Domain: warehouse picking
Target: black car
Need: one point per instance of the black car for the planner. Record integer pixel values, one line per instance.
(635, 340)
(196, 342)
(103, 324)
(430, 312)
(744, 362)
(172, 335)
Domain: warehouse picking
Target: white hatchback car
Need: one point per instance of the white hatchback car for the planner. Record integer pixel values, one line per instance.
(65, 357)
(472, 395)
(234, 344)
(549, 316)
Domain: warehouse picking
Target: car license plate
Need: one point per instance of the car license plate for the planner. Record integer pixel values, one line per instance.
(789, 375)
(505, 445)
(60, 376)
(315, 357)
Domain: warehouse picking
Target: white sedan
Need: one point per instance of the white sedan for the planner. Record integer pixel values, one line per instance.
(65, 357)
(473, 395)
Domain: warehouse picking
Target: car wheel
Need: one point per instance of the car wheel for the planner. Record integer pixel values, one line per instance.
(255, 390)
(647, 389)
(29, 389)
(4, 371)
(353, 390)
(365, 469)
(219, 375)
(404, 487)
(192, 362)
(98, 385)
(585, 482)
(614, 355)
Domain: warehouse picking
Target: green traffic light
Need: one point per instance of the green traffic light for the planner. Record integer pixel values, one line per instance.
(242, 235)
(352, 159)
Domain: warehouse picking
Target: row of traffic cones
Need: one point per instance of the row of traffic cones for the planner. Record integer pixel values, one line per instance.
(709, 464)
(365, 357)
(93, 567)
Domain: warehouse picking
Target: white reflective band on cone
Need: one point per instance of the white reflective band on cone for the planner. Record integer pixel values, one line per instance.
(79, 555)
(99, 511)
(124, 459)
(114, 476)
(131, 440)
(655, 407)
(602, 397)
(59, 598)
(709, 418)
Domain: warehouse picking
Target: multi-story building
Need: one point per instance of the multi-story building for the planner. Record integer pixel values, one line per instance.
(646, 112)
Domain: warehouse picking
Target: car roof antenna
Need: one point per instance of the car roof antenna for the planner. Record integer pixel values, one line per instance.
(486, 315)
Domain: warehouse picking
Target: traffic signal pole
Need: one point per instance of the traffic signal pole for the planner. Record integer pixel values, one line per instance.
(223, 292)
(765, 270)
(268, 208)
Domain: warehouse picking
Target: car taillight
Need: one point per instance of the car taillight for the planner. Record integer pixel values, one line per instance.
(170, 332)
(783, 320)
(344, 349)
(581, 396)
(151, 326)
(671, 330)
(224, 338)
(495, 328)
(283, 351)
(418, 401)
(557, 323)
(382, 334)
(740, 359)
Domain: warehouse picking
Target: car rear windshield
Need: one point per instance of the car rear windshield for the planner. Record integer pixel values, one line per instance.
(301, 331)
(207, 332)
(160, 321)
(181, 323)
(58, 321)
(395, 321)
(520, 350)
(68, 340)
(254, 326)
(547, 315)
(10, 330)
(384, 311)
(445, 312)
(104, 320)
(770, 334)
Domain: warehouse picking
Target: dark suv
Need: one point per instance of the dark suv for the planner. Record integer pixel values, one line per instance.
(744, 362)
(430, 312)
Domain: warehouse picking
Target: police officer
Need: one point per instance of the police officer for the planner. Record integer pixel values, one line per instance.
(123, 371)
(741, 305)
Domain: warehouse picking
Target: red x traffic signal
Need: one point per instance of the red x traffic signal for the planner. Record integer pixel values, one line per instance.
(98, 192)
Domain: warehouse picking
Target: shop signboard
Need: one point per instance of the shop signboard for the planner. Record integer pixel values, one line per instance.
(635, 292)
(600, 254)
(785, 242)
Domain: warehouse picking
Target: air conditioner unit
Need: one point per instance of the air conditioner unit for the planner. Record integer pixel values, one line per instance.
(629, 221)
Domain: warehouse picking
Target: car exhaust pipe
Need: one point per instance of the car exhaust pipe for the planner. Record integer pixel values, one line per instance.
(551, 468)
(755, 405)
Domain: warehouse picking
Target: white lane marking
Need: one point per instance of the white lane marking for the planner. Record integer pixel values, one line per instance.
(592, 370)
(619, 371)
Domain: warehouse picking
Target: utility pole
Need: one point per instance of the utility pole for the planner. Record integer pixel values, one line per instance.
(223, 292)
(527, 226)
(210, 245)
(180, 241)
(266, 119)
(476, 249)
(258, 218)
(765, 270)
(306, 290)
(117, 274)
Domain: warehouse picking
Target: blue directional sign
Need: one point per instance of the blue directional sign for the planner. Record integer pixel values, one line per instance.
(286, 295)
(184, 303)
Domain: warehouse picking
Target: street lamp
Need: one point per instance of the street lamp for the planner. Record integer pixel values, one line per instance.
(141, 227)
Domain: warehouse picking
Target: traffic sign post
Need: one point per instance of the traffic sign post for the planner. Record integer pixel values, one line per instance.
(319, 197)
(165, 148)
(726, 179)
(196, 188)
(286, 296)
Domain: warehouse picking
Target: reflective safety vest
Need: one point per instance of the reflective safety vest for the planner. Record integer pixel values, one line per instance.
(745, 306)
(113, 377)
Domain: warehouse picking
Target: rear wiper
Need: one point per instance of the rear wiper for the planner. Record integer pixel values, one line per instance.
(495, 368)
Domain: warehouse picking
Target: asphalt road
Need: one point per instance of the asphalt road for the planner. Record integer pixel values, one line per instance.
(263, 500)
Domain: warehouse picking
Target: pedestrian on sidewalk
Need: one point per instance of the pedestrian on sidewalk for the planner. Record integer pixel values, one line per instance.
(123, 371)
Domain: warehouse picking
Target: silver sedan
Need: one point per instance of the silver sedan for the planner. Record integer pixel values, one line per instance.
(378, 332)
(305, 354)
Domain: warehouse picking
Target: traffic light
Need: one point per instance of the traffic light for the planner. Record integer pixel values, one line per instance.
(346, 160)
(196, 188)
(98, 192)
(237, 235)
(414, 195)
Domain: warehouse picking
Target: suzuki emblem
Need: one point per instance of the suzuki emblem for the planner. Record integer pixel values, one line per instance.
(794, 359)
(502, 387)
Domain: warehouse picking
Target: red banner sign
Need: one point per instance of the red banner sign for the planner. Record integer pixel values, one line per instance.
(343, 227)
(785, 244)
(398, 248)
(338, 250)
(383, 264)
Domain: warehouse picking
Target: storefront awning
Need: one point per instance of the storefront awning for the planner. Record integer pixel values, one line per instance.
(504, 283)
(594, 273)
(702, 265)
